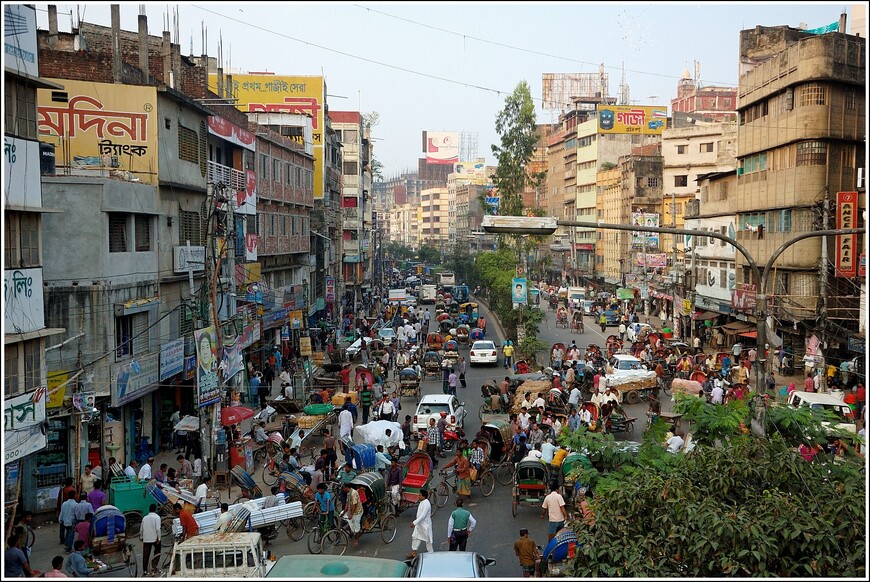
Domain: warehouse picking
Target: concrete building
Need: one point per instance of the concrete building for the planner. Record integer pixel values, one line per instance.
(801, 140)
(434, 218)
(612, 247)
(712, 104)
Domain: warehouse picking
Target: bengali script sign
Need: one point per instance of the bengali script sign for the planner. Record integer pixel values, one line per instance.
(207, 380)
(23, 417)
(638, 119)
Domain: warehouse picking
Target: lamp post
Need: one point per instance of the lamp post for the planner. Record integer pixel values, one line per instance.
(547, 225)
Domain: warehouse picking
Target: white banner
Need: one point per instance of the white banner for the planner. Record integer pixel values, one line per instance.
(23, 417)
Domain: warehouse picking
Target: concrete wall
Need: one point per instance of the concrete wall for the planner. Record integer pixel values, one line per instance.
(174, 170)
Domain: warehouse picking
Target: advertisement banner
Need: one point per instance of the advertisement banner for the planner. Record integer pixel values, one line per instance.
(743, 297)
(296, 319)
(624, 293)
(442, 147)
(19, 38)
(267, 93)
(171, 358)
(519, 291)
(330, 289)
(846, 264)
(207, 381)
(637, 119)
(231, 360)
(102, 128)
(305, 346)
(470, 172)
(55, 394)
(638, 237)
(652, 259)
(23, 417)
(135, 379)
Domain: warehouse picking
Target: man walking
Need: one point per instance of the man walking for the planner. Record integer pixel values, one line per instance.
(353, 511)
(67, 519)
(451, 382)
(459, 526)
(553, 508)
(149, 533)
(461, 369)
(422, 524)
(527, 551)
(365, 400)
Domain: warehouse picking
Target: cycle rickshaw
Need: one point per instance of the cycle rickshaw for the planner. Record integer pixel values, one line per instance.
(416, 475)
(530, 484)
(432, 364)
(577, 322)
(409, 383)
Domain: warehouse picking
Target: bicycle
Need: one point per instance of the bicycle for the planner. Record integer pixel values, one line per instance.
(325, 539)
(485, 482)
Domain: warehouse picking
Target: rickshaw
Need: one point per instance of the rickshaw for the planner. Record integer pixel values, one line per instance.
(445, 325)
(376, 518)
(462, 318)
(577, 322)
(377, 348)
(698, 376)
(476, 334)
(453, 307)
(558, 552)
(416, 475)
(492, 402)
(109, 546)
(451, 350)
(553, 349)
(721, 356)
(530, 484)
(562, 317)
(553, 301)
(497, 434)
(614, 344)
(431, 364)
(434, 341)
(409, 383)
(462, 334)
(363, 374)
(440, 306)
(472, 310)
(442, 316)
(570, 485)
(521, 367)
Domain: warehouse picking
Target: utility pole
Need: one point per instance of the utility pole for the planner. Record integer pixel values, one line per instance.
(676, 319)
(823, 291)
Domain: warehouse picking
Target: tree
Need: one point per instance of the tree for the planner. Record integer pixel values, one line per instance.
(429, 255)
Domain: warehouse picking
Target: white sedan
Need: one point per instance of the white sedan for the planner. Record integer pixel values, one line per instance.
(483, 352)
(387, 335)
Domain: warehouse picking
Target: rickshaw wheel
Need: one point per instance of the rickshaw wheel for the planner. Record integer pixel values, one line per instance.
(442, 494)
(487, 483)
(388, 528)
(165, 526)
(315, 541)
(132, 563)
(629, 427)
(483, 408)
(632, 397)
(268, 477)
(514, 504)
(334, 543)
(133, 521)
(295, 528)
(505, 473)
(309, 516)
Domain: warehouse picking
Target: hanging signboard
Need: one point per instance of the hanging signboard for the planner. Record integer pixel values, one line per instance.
(846, 264)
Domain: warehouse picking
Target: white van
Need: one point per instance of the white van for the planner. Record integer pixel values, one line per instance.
(233, 555)
(827, 402)
(576, 295)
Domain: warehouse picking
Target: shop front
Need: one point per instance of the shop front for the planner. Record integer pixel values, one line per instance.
(133, 424)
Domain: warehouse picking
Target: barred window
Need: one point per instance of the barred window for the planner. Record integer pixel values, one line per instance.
(813, 94)
(22, 239)
(188, 145)
(276, 171)
(11, 384)
(652, 182)
(190, 228)
(20, 102)
(264, 165)
(143, 233)
(32, 365)
(118, 233)
(812, 153)
(850, 99)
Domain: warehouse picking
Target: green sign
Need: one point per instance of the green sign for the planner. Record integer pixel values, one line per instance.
(625, 293)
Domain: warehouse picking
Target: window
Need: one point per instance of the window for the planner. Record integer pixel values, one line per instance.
(350, 169)
(32, 365)
(143, 233)
(706, 147)
(131, 335)
(276, 171)
(811, 153)
(652, 182)
(118, 233)
(350, 136)
(188, 145)
(783, 224)
(681, 149)
(264, 165)
(812, 94)
(190, 228)
(723, 278)
(22, 239)
(11, 385)
(850, 99)
(20, 109)
(681, 181)
(288, 173)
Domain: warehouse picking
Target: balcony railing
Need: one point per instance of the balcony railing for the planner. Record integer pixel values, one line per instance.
(229, 177)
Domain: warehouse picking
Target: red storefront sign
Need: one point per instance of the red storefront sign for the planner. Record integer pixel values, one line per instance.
(846, 264)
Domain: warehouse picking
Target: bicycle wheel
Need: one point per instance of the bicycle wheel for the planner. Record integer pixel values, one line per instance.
(295, 528)
(309, 516)
(388, 528)
(315, 541)
(334, 543)
(442, 494)
(504, 473)
(487, 483)
(130, 561)
(133, 520)
(666, 386)
(480, 411)
(269, 478)
(166, 526)
(515, 503)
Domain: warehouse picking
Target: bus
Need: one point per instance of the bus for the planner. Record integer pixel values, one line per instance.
(446, 278)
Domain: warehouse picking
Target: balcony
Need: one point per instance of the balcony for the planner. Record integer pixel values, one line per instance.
(229, 177)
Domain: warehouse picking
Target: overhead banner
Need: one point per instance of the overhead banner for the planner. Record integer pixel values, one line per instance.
(519, 292)
(847, 264)
(442, 147)
(330, 289)
(470, 172)
(636, 119)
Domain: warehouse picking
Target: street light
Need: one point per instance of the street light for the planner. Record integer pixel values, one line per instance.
(547, 225)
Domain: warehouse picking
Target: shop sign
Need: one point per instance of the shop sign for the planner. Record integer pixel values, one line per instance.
(23, 419)
(285, 333)
(135, 378)
(189, 367)
(171, 358)
(625, 293)
(250, 334)
(231, 361)
(687, 307)
(55, 394)
(330, 289)
(13, 471)
(275, 318)
(207, 381)
(296, 319)
(847, 244)
(856, 344)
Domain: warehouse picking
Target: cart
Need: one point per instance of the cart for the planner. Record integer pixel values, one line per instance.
(492, 401)
(451, 352)
(562, 317)
(409, 383)
(434, 341)
(131, 498)
(431, 364)
(530, 484)
(476, 334)
(416, 475)
(445, 325)
(377, 348)
(109, 546)
(165, 505)
(571, 487)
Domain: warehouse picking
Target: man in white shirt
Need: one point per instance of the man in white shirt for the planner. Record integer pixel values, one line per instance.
(539, 402)
(149, 533)
(145, 470)
(130, 469)
(197, 469)
(202, 493)
(224, 519)
(574, 397)
(524, 417)
(345, 424)
(717, 393)
(548, 449)
(585, 417)
(534, 454)
(402, 336)
(260, 435)
(602, 386)
(676, 442)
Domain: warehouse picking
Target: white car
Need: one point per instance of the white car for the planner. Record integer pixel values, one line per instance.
(483, 352)
(432, 405)
(387, 335)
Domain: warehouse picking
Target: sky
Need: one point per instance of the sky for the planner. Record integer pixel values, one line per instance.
(448, 66)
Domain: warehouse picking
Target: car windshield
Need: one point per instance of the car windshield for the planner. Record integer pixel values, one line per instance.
(433, 408)
(483, 346)
(621, 364)
(387, 331)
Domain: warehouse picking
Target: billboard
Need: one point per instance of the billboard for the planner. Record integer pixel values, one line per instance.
(265, 93)
(470, 172)
(638, 237)
(207, 380)
(847, 244)
(637, 119)
(97, 127)
(519, 291)
(442, 147)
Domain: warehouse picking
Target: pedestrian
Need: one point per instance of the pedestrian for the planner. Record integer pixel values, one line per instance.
(353, 511)
(62, 496)
(56, 571)
(527, 551)
(459, 526)
(180, 435)
(67, 519)
(201, 494)
(149, 533)
(433, 441)
(189, 527)
(130, 469)
(83, 529)
(386, 409)
(25, 533)
(144, 473)
(461, 367)
(422, 524)
(15, 562)
(553, 508)
(366, 396)
(394, 482)
(445, 380)
(325, 505)
(82, 508)
(452, 378)
(185, 469)
(97, 497)
(345, 422)
(508, 354)
(770, 384)
(86, 481)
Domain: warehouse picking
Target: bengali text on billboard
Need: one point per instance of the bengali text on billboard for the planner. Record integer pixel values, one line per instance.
(639, 119)
(846, 265)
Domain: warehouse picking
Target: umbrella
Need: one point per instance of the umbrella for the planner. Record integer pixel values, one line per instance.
(235, 414)
(188, 423)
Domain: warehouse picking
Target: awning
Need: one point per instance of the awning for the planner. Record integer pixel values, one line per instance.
(750, 334)
(737, 327)
(702, 315)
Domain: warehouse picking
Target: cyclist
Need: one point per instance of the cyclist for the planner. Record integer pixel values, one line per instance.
(325, 505)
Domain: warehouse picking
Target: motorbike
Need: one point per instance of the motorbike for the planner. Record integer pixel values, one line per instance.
(452, 435)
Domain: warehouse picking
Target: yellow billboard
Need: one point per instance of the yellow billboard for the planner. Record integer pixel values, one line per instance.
(101, 128)
(284, 94)
(636, 119)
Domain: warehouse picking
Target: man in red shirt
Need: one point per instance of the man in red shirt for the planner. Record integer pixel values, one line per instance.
(809, 385)
(189, 527)
(344, 375)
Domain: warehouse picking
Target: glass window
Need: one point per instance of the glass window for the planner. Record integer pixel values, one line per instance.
(118, 233)
(812, 153)
(11, 385)
(123, 336)
(706, 147)
(681, 181)
(143, 233)
(681, 149)
(32, 365)
(812, 94)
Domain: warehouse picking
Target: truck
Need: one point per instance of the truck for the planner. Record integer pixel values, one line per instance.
(397, 295)
(221, 555)
(446, 279)
(428, 293)
(576, 295)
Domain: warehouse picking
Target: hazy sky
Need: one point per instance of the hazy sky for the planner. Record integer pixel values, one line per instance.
(446, 66)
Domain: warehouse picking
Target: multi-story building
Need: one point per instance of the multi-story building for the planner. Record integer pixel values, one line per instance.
(434, 218)
(704, 103)
(612, 246)
(801, 141)
(36, 449)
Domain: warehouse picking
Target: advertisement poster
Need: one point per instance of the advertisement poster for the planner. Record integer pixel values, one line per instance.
(207, 381)
(519, 291)
(847, 244)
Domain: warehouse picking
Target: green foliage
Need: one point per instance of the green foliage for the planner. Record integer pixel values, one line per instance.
(457, 261)
(398, 251)
(429, 255)
(803, 424)
(751, 508)
(713, 423)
